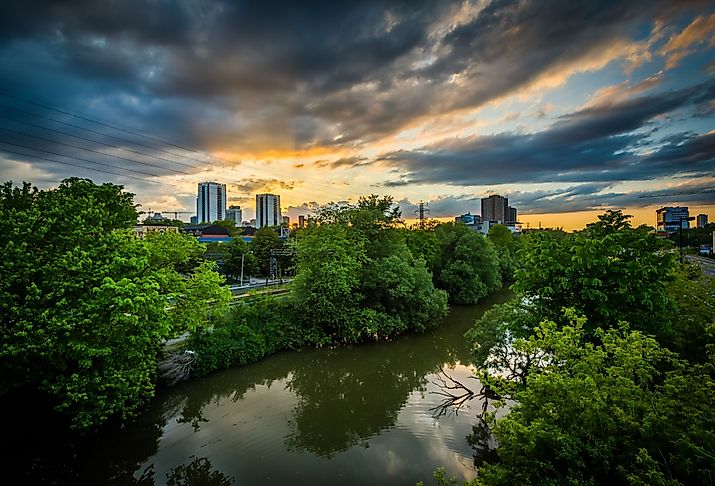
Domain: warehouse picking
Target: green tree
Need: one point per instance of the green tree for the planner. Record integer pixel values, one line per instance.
(609, 272)
(229, 224)
(506, 245)
(265, 240)
(467, 266)
(622, 411)
(86, 306)
(356, 279)
(237, 256)
(326, 286)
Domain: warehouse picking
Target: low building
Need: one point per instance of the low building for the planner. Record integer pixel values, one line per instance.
(469, 219)
(672, 218)
(141, 230)
(208, 233)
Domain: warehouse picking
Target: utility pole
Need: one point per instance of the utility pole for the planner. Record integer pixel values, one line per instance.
(421, 211)
(242, 255)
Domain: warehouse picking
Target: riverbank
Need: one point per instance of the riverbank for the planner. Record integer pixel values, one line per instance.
(357, 414)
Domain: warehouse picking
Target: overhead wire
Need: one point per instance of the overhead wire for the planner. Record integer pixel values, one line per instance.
(15, 120)
(121, 139)
(93, 151)
(70, 163)
(85, 117)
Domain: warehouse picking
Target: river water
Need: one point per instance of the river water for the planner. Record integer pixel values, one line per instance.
(352, 415)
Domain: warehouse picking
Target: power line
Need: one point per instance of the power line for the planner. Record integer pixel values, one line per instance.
(114, 127)
(86, 117)
(96, 141)
(101, 133)
(76, 158)
(73, 165)
(93, 151)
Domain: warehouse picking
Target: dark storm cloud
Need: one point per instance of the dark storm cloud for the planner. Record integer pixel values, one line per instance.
(330, 73)
(580, 197)
(604, 142)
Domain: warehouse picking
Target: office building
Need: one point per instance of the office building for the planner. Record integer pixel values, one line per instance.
(235, 214)
(671, 218)
(701, 220)
(268, 210)
(496, 208)
(211, 202)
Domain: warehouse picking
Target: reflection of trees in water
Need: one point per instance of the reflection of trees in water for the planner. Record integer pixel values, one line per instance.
(344, 396)
(199, 472)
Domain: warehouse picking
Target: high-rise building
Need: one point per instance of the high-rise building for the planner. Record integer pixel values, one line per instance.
(235, 214)
(671, 218)
(268, 210)
(211, 202)
(701, 220)
(286, 221)
(495, 208)
(512, 215)
(301, 221)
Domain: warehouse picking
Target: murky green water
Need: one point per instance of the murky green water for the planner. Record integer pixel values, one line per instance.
(357, 415)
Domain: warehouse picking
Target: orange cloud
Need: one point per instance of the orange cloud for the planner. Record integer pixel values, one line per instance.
(680, 45)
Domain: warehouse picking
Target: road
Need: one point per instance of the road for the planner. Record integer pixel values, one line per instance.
(707, 265)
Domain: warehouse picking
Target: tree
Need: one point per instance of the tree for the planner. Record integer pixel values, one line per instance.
(610, 272)
(356, 279)
(86, 306)
(622, 411)
(229, 224)
(466, 266)
(265, 240)
(506, 245)
(237, 258)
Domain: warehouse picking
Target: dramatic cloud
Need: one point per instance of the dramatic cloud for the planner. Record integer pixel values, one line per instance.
(313, 99)
(598, 143)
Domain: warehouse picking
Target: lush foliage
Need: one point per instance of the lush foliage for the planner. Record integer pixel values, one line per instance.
(85, 305)
(356, 278)
(623, 411)
(238, 258)
(249, 332)
(616, 384)
(507, 246)
(265, 240)
(610, 272)
(466, 264)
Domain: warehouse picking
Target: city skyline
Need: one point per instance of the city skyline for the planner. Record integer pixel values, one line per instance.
(566, 109)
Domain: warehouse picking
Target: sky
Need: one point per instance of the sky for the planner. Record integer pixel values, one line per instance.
(567, 108)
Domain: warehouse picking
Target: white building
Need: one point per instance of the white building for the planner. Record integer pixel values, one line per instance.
(211, 202)
(235, 214)
(268, 210)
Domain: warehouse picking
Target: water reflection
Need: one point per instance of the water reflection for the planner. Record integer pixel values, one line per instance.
(357, 415)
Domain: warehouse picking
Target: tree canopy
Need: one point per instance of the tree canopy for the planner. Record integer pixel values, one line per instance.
(86, 306)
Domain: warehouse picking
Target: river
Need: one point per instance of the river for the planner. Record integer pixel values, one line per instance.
(351, 415)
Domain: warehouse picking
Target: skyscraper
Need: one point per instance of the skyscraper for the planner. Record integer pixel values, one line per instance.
(701, 220)
(211, 202)
(495, 208)
(268, 210)
(235, 214)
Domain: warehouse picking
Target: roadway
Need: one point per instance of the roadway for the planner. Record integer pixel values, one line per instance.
(707, 265)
